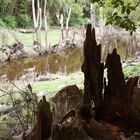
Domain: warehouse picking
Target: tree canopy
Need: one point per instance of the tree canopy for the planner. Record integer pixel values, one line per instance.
(122, 13)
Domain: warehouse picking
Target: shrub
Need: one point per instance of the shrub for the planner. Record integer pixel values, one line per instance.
(76, 15)
(2, 24)
(24, 21)
(10, 21)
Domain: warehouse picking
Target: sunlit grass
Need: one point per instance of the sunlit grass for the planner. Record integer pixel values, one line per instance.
(131, 70)
(27, 39)
(53, 86)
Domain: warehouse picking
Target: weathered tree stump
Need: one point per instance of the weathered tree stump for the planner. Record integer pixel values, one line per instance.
(118, 100)
(93, 71)
(119, 95)
(67, 99)
(115, 91)
(42, 128)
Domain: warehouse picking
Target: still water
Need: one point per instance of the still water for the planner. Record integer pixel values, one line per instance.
(64, 63)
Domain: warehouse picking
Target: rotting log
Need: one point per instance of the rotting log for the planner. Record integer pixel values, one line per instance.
(42, 128)
(93, 71)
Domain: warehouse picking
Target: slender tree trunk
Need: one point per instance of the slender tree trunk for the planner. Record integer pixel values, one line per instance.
(36, 19)
(45, 23)
(67, 23)
(34, 15)
(62, 26)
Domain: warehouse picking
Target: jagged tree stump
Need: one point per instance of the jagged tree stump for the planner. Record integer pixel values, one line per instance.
(118, 100)
(118, 95)
(93, 71)
(115, 92)
(42, 128)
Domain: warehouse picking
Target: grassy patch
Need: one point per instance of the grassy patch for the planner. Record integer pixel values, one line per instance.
(131, 70)
(27, 39)
(53, 86)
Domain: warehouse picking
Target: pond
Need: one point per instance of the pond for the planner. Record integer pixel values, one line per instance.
(64, 63)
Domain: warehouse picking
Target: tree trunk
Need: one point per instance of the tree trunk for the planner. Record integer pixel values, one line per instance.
(36, 19)
(62, 26)
(67, 23)
(45, 23)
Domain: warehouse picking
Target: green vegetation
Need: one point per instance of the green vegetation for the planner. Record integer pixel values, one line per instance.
(132, 70)
(53, 86)
(27, 39)
(122, 13)
(5, 124)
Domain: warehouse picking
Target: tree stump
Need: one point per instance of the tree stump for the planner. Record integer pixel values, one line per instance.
(115, 91)
(67, 99)
(118, 100)
(42, 128)
(93, 71)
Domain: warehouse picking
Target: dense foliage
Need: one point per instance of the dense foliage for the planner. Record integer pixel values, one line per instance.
(122, 13)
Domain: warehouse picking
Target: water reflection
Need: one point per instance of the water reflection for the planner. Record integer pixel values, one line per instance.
(65, 63)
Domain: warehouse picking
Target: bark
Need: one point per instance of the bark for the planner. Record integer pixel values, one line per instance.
(42, 128)
(115, 91)
(93, 71)
(119, 96)
(67, 99)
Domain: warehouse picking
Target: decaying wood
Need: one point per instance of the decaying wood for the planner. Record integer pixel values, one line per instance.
(42, 128)
(67, 99)
(93, 71)
(115, 96)
(68, 132)
(118, 95)
(71, 113)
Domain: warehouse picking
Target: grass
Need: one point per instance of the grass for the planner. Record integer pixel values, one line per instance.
(5, 123)
(53, 86)
(132, 70)
(27, 39)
